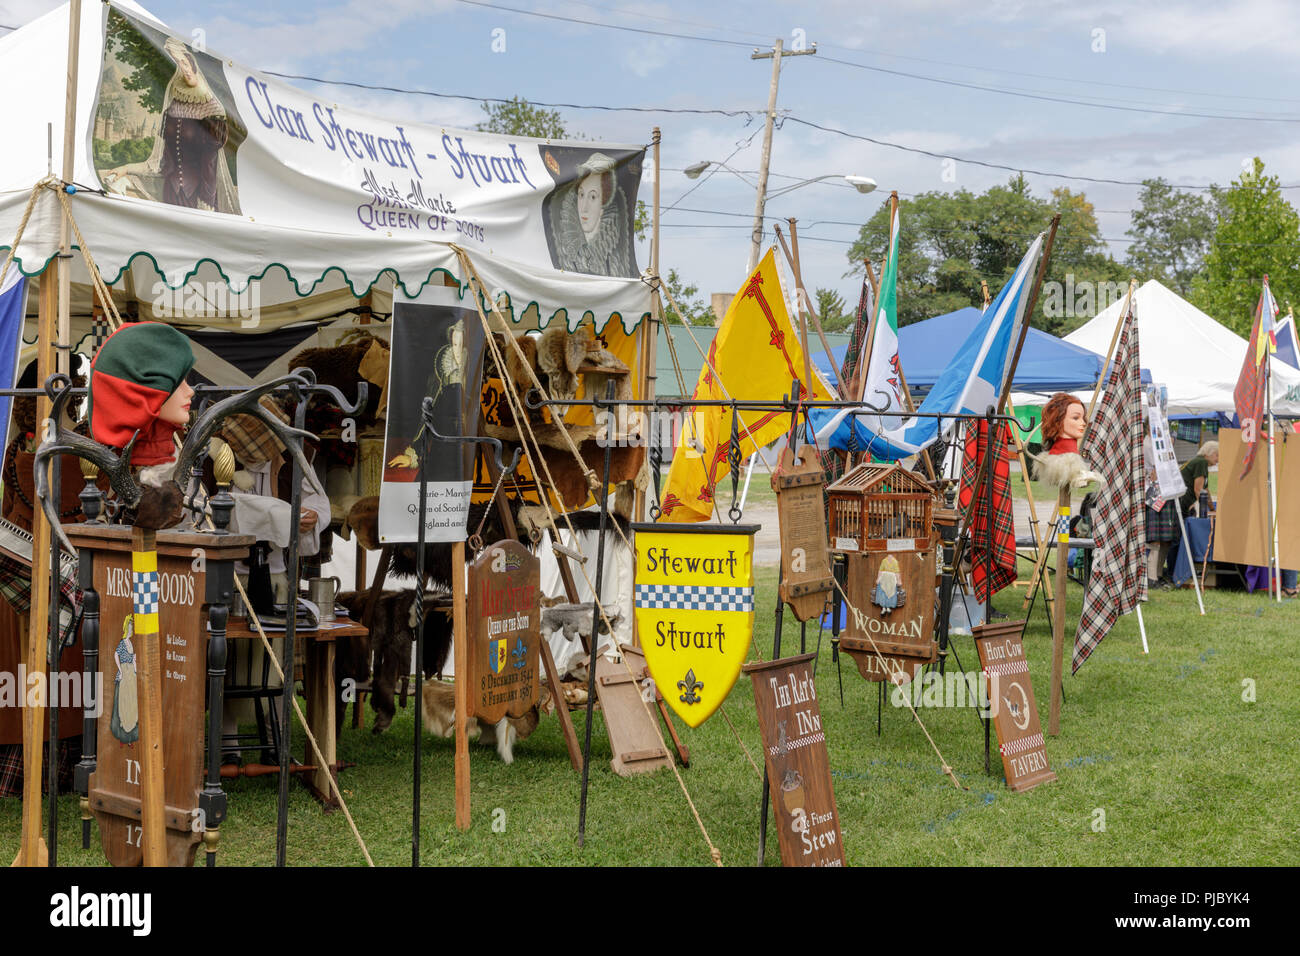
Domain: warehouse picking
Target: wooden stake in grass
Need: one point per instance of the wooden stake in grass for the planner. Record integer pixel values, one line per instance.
(1058, 619)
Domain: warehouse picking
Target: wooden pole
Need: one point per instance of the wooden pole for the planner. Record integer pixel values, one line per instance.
(1058, 619)
(148, 656)
(1040, 544)
(806, 310)
(765, 160)
(650, 331)
(461, 652)
(33, 850)
(69, 155)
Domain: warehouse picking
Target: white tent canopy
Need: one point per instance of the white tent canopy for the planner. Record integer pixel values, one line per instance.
(1196, 358)
(328, 202)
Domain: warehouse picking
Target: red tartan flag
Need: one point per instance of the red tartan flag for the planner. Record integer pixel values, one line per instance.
(1113, 449)
(991, 571)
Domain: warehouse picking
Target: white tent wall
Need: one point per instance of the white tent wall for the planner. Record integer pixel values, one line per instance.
(174, 242)
(1196, 357)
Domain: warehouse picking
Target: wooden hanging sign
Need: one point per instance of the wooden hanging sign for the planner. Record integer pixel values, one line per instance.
(504, 625)
(695, 610)
(179, 590)
(1011, 699)
(798, 766)
(895, 593)
(799, 482)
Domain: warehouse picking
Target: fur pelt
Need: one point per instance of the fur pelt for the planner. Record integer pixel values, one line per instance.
(559, 356)
(575, 620)
(440, 719)
(1067, 468)
(391, 632)
(339, 366)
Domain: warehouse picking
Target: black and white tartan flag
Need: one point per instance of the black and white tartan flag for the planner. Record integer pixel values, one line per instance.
(1113, 449)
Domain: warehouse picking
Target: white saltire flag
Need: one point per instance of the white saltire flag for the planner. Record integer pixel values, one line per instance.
(971, 383)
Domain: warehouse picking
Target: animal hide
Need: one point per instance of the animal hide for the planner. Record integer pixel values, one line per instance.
(392, 630)
(559, 356)
(1068, 468)
(440, 719)
(340, 366)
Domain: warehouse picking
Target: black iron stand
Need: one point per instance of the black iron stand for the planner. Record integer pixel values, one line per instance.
(792, 440)
(603, 495)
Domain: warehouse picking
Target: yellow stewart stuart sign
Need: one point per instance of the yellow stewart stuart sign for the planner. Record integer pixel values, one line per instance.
(695, 610)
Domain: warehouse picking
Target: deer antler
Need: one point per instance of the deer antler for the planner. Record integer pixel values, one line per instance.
(246, 403)
(65, 442)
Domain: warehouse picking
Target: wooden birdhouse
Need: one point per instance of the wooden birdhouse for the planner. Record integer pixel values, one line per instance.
(881, 507)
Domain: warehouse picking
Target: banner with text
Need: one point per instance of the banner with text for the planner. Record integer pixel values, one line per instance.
(175, 124)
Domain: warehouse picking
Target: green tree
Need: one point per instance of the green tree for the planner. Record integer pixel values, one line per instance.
(950, 241)
(1258, 234)
(832, 311)
(1173, 229)
(517, 117)
(694, 309)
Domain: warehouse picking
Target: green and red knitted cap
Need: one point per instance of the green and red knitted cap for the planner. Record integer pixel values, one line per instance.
(133, 374)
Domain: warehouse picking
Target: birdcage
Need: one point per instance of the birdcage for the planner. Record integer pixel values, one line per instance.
(881, 507)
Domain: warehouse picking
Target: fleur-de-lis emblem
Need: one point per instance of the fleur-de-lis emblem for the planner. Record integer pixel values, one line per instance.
(689, 685)
(518, 656)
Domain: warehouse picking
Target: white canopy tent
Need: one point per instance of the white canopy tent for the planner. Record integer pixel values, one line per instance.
(1196, 358)
(331, 203)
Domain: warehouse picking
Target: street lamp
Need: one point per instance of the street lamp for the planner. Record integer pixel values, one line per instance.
(863, 184)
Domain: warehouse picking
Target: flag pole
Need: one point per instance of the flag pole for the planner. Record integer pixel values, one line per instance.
(1274, 568)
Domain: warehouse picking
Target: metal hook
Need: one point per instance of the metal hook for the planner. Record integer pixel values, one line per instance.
(426, 414)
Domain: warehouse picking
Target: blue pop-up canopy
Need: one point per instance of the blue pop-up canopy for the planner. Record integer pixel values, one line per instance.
(1047, 364)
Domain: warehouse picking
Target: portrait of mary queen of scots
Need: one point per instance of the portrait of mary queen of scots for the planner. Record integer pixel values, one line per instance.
(588, 216)
(165, 124)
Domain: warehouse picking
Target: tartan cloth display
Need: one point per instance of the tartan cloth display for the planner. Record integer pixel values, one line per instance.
(1113, 449)
(252, 442)
(832, 463)
(11, 767)
(1003, 558)
(1248, 395)
(1162, 525)
(16, 587)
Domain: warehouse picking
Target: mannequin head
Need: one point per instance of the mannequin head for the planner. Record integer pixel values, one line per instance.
(1064, 417)
(138, 384)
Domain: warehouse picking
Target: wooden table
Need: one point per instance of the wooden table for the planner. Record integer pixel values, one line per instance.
(319, 691)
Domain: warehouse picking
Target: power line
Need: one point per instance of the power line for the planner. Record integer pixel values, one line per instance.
(947, 63)
(989, 165)
(1268, 118)
(1050, 98)
(497, 99)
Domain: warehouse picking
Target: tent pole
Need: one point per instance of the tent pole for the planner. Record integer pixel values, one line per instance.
(650, 330)
(1182, 526)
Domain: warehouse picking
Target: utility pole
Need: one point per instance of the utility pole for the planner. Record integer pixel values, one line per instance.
(776, 53)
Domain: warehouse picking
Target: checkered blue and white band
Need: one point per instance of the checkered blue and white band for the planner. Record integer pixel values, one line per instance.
(687, 597)
(144, 596)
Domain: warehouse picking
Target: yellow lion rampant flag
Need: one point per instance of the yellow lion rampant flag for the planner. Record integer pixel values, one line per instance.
(756, 355)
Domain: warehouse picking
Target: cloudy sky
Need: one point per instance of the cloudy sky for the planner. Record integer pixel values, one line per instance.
(1082, 88)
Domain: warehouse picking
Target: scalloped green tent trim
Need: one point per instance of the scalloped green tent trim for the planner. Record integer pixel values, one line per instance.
(462, 287)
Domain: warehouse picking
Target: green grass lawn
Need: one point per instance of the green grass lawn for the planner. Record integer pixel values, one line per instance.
(1187, 772)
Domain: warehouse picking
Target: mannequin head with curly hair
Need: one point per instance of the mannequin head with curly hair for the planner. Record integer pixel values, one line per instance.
(1064, 418)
